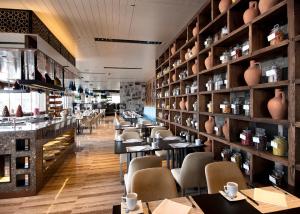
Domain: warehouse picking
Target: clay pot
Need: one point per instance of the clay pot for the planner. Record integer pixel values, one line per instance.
(224, 5)
(277, 106)
(19, 112)
(173, 49)
(187, 105)
(196, 30)
(209, 125)
(195, 49)
(174, 77)
(208, 145)
(195, 67)
(253, 73)
(182, 104)
(209, 61)
(251, 12)
(265, 5)
(225, 129)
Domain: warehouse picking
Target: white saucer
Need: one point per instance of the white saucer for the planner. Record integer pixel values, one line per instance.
(238, 197)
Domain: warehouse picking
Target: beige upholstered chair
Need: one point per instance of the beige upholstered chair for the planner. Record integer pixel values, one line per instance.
(130, 135)
(138, 164)
(163, 133)
(130, 129)
(192, 172)
(155, 129)
(154, 184)
(219, 173)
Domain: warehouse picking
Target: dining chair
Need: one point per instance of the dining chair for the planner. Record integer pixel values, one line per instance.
(192, 172)
(219, 173)
(154, 184)
(163, 133)
(155, 129)
(139, 163)
(130, 135)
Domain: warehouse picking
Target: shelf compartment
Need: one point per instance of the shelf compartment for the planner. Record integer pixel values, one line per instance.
(5, 168)
(23, 180)
(22, 145)
(23, 162)
(214, 26)
(204, 99)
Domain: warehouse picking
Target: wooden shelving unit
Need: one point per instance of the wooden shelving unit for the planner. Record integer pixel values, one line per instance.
(210, 21)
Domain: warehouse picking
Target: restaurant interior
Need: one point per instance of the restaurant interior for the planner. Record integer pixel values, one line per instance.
(149, 106)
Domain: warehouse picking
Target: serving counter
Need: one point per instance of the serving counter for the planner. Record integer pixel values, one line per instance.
(31, 152)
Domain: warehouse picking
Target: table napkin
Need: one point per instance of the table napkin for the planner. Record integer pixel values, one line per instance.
(270, 197)
(133, 141)
(179, 145)
(172, 138)
(170, 207)
(138, 209)
(138, 148)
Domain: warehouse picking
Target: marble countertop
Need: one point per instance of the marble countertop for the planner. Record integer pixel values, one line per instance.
(36, 126)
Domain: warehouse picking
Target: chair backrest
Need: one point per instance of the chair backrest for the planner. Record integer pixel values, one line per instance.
(130, 129)
(219, 173)
(130, 135)
(147, 122)
(164, 133)
(154, 184)
(192, 173)
(141, 163)
(155, 129)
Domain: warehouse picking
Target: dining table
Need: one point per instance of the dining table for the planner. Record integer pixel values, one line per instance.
(217, 204)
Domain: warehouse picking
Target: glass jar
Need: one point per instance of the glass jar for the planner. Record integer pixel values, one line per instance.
(245, 48)
(276, 36)
(276, 177)
(219, 83)
(216, 37)
(246, 167)
(237, 158)
(236, 52)
(225, 57)
(209, 85)
(187, 89)
(246, 137)
(208, 42)
(246, 107)
(195, 105)
(280, 146)
(237, 106)
(209, 107)
(225, 154)
(260, 141)
(224, 31)
(274, 74)
(218, 130)
(225, 107)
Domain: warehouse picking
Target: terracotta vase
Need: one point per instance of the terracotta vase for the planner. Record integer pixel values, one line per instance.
(195, 49)
(174, 77)
(208, 145)
(251, 12)
(277, 106)
(209, 61)
(265, 5)
(225, 129)
(209, 125)
(19, 112)
(253, 73)
(5, 112)
(173, 49)
(196, 30)
(182, 104)
(195, 67)
(186, 55)
(187, 105)
(224, 5)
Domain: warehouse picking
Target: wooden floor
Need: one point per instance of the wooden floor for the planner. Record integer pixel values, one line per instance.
(88, 182)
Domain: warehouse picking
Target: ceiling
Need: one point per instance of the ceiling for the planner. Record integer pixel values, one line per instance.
(77, 22)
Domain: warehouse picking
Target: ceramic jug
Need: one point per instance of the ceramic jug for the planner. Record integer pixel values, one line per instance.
(173, 49)
(182, 104)
(19, 112)
(186, 105)
(209, 125)
(208, 145)
(253, 73)
(174, 77)
(209, 61)
(225, 129)
(195, 67)
(251, 12)
(196, 30)
(5, 112)
(195, 49)
(224, 5)
(265, 5)
(188, 122)
(277, 106)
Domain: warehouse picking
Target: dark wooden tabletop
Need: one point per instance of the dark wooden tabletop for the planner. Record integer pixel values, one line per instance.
(217, 204)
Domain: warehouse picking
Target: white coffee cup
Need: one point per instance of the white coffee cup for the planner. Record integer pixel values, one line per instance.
(231, 189)
(131, 200)
(198, 142)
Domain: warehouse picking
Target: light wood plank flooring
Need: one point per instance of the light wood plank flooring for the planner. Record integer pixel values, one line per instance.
(87, 182)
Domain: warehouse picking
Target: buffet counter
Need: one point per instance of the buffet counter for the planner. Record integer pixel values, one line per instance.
(31, 152)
